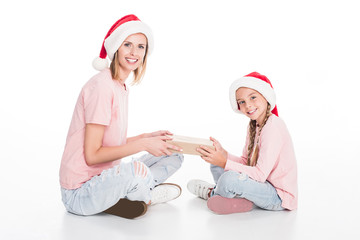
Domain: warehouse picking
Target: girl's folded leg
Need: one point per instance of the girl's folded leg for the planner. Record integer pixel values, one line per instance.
(238, 185)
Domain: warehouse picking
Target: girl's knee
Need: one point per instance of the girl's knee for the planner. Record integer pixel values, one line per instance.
(228, 182)
(231, 177)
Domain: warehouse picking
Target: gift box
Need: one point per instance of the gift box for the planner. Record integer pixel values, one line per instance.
(189, 144)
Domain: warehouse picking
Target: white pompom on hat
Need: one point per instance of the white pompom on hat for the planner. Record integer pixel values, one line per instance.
(257, 82)
(124, 27)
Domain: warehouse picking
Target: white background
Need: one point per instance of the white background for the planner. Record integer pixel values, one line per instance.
(309, 50)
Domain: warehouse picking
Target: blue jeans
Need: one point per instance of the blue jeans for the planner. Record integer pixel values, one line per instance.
(122, 181)
(231, 184)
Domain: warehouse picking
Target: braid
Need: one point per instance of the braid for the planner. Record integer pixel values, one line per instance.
(252, 160)
(268, 114)
(252, 132)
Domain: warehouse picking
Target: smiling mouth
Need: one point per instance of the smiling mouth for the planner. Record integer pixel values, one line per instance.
(251, 112)
(131, 60)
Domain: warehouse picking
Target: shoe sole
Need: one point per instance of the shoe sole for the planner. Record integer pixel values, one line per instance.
(128, 209)
(222, 205)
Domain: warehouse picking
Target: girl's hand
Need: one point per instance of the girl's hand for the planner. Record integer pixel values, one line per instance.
(216, 157)
(158, 146)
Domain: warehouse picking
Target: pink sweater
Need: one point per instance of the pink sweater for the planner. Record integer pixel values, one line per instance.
(276, 162)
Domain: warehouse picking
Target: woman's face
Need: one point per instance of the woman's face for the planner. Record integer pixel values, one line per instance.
(252, 104)
(132, 51)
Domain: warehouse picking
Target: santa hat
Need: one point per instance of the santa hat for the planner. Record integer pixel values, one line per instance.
(123, 28)
(257, 82)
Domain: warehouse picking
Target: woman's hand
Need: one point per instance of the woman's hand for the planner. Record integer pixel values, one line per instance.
(149, 135)
(158, 133)
(216, 157)
(96, 153)
(157, 145)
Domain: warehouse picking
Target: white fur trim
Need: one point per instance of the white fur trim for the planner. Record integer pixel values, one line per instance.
(100, 63)
(114, 41)
(254, 83)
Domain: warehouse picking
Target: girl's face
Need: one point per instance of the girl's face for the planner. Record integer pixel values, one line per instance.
(252, 104)
(132, 52)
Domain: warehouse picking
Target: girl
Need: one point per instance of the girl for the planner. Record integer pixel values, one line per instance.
(93, 179)
(266, 174)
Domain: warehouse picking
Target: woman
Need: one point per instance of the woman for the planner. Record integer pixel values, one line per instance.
(92, 176)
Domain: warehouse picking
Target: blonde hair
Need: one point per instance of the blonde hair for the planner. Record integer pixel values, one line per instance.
(138, 73)
(253, 153)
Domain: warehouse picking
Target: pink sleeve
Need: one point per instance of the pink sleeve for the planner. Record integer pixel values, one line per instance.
(242, 159)
(98, 101)
(234, 158)
(271, 142)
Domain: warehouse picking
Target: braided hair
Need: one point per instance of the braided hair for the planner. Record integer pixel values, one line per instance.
(253, 153)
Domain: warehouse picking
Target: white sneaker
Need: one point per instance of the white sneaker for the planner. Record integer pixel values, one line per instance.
(165, 192)
(200, 188)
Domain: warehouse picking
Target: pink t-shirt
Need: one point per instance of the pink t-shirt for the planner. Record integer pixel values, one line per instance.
(102, 101)
(276, 161)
